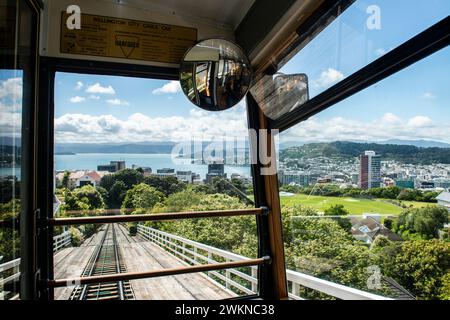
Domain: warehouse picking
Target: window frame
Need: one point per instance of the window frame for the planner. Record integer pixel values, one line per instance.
(45, 158)
(424, 44)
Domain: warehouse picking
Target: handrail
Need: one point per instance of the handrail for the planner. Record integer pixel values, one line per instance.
(169, 243)
(154, 217)
(158, 273)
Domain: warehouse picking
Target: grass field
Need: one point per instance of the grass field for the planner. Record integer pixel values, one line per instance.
(354, 206)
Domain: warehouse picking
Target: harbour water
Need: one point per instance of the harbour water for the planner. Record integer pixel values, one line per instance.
(90, 161)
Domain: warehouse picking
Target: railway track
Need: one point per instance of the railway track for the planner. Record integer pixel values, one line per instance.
(105, 260)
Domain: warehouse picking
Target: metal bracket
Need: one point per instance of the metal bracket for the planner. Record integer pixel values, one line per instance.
(267, 260)
(265, 211)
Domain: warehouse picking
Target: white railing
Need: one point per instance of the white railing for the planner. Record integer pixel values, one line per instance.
(13, 274)
(61, 241)
(12, 267)
(193, 253)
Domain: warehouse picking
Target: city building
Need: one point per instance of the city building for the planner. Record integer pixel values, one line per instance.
(405, 184)
(80, 178)
(147, 171)
(185, 176)
(113, 166)
(215, 170)
(369, 170)
(165, 172)
(298, 178)
(443, 199)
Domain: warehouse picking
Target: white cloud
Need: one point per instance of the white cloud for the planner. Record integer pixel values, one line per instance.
(428, 95)
(420, 121)
(171, 87)
(94, 97)
(139, 127)
(97, 88)
(79, 85)
(390, 118)
(117, 102)
(77, 99)
(388, 127)
(328, 78)
(11, 89)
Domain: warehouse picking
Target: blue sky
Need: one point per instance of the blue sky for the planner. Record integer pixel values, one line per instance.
(413, 104)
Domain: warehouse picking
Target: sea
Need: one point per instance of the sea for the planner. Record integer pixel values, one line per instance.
(90, 161)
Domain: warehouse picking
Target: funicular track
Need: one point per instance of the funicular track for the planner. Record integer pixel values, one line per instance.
(105, 260)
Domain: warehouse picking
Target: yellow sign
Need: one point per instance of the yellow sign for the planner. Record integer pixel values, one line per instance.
(127, 39)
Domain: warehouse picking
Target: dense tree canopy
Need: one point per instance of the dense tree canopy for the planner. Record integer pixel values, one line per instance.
(422, 222)
(142, 196)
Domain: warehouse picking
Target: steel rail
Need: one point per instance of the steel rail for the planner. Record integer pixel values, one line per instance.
(154, 217)
(92, 262)
(159, 273)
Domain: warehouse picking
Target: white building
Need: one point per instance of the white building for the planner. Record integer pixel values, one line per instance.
(443, 199)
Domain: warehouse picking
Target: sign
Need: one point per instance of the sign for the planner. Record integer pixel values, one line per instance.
(126, 39)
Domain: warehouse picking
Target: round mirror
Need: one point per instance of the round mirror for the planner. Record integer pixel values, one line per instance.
(215, 74)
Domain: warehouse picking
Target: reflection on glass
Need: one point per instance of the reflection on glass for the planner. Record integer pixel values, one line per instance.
(16, 75)
(280, 94)
(360, 35)
(366, 189)
(215, 75)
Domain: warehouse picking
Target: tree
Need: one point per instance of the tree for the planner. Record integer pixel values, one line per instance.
(107, 181)
(84, 199)
(104, 193)
(142, 196)
(336, 210)
(129, 177)
(425, 222)
(445, 288)
(410, 195)
(420, 266)
(117, 194)
(319, 246)
(167, 185)
(65, 180)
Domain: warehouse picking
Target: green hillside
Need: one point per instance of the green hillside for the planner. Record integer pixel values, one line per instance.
(343, 149)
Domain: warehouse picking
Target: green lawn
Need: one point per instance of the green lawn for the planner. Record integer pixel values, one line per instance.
(354, 206)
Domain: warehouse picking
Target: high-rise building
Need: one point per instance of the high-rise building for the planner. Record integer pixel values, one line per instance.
(369, 170)
(215, 170)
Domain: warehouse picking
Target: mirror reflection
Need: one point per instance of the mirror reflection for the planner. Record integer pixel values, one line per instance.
(280, 94)
(215, 74)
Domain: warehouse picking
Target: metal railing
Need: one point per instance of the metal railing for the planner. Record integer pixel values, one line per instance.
(195, 253)
(61, 241)
(11, 268)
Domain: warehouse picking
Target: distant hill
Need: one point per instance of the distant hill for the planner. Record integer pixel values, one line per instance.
(343, 149)
(417, 143)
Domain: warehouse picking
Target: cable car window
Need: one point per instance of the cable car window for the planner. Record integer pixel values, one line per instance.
(17, 72)
(127, 146)
(361, 34)
(365, 190)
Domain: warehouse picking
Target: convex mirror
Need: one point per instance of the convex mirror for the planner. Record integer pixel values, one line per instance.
(215, 74)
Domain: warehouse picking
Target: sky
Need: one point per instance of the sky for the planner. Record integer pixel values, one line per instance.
(412, 104)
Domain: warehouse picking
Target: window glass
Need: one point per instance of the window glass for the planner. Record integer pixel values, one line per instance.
(17, 58)
(138, 146)
(365, 189)
(360, 35)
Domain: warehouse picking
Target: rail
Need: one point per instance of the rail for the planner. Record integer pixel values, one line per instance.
(195, 253)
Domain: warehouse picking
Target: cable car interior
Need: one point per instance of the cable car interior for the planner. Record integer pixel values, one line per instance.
(209, 150)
